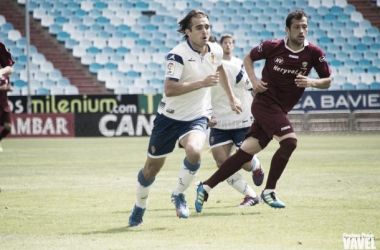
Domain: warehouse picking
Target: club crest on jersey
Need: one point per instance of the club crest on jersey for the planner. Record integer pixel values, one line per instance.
(153, 149)
(279, 60)
(170, 66)
(304, 64)
(212, 57)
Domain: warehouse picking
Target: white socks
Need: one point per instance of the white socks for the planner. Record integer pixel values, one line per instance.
(186, 177)
(142, 195)
(238, 183)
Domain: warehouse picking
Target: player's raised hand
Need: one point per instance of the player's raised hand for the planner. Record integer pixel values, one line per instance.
(259, 86)
(236, 105)
(211, 80)
(303, 81)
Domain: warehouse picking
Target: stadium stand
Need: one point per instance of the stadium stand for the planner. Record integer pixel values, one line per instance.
(123, 44)
(50, 60)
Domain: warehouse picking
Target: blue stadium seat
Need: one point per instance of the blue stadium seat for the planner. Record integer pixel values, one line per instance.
(362, 86)
(122, 50)
(348, 86)
(93, 50)
(72, 5)
(19, 83)
(63, 82)
(336, 10)
(373, 31)
(373, 70)
(100, 5)
(57, 91)
(336, 63)
(350, 63)
(358, 70)
(95, 67)
(340, 41)
(48, 84)
(71, 90)
(342, 56)
(133, 74)
(375, 47)
(142, 6)
(375, 85)
(367, 40)
(110, 66)
(55, 75)
(63, 36)
(149, 90)
(80, 13)
(42, 91)
(364, 63)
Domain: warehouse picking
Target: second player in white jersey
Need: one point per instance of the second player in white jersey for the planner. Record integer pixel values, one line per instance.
(241, 86)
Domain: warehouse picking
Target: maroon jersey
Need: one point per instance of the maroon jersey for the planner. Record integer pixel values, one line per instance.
(282, 65)
(5, 60)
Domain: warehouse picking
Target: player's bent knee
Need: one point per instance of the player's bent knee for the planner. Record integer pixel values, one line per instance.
(193, 154)
(145, 180)
(290, 144)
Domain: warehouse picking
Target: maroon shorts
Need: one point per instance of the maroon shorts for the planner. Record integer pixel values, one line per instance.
(269, 120)
(5, 116)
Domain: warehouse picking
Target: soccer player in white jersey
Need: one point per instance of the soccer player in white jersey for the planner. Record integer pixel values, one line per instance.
(229, 128)
(183, 113)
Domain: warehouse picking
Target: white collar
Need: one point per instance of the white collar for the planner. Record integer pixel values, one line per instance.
(305, 43)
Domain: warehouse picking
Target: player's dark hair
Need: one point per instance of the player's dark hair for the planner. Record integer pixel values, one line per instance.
(186, 22)
(297, 14)
(213, 39)
(226, 36)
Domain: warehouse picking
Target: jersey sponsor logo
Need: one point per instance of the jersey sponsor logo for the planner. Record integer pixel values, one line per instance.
(260, 48)
(170, 68)
(279, 60)
(322, 59)
(192, 60)
(293, 56)
(289, 71)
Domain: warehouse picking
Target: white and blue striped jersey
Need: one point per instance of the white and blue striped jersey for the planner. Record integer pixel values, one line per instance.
(240, 85)
(185, 64)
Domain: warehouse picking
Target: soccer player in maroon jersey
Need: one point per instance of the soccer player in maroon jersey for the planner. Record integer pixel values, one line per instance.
(284, 79)
(6, 69)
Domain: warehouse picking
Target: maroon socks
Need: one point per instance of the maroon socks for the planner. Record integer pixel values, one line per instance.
(228, 168)
(279, 161)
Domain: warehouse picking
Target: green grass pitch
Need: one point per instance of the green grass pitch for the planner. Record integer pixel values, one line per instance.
(78, 193)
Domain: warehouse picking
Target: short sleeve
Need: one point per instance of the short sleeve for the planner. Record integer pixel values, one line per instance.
(174, 67)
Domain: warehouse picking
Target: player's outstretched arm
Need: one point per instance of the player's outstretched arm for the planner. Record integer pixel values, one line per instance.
(304, 82)
(174, 88)
(235, 103)
(258, 86)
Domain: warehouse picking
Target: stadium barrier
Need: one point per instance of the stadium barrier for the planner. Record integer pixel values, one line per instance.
(133, 115)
